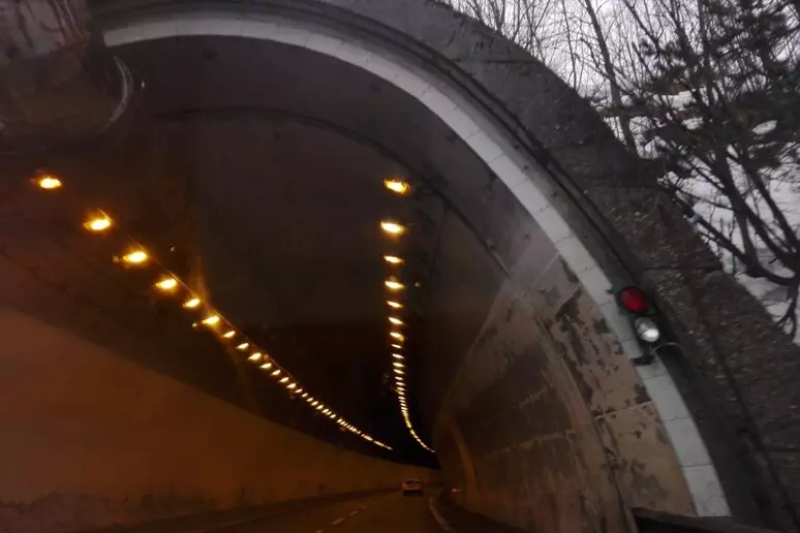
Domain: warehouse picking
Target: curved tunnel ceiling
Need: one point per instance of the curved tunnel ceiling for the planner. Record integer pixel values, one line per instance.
(278, 157)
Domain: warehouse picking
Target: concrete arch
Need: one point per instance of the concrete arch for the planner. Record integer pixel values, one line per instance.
(495, 151)
(510, 154)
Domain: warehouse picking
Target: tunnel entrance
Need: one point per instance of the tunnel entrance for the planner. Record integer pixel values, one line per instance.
(257, 161)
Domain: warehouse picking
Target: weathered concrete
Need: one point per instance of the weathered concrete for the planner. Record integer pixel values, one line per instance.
(546, 425)
(90, 439)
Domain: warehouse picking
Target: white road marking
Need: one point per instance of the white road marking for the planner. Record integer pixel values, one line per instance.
(353, 513)
(337, 521)
(444, 524)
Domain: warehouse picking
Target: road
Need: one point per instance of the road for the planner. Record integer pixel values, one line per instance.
(387, 513)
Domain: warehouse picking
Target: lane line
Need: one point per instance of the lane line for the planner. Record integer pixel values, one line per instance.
(337, 521)
(353, 513)
(444, 524)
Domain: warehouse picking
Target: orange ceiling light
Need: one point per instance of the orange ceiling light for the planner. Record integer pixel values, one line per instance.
(48, 182)
(192, 303)
(98, 223)
(393, 285)
(167, 284)
(397, 186)
(136, 257)
(393, 228)
(211, 320)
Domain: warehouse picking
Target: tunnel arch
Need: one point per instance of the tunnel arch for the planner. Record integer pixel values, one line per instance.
(516, 168)
(602, 223)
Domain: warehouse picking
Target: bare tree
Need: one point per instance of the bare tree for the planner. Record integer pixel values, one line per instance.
(713, 87)
(729, 138)
(605, 65)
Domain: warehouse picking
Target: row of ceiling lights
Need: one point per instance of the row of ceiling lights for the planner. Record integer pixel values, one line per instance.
(167, 283)
(396, 337)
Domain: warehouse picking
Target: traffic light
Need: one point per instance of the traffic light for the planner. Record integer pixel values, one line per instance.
(635, 303)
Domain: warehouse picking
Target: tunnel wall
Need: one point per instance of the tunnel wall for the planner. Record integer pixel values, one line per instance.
(90, 439)
(546, 424)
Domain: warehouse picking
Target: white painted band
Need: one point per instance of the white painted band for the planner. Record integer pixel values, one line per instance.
(524, 178)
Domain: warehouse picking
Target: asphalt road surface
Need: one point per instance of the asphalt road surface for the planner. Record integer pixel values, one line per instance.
(387, 513)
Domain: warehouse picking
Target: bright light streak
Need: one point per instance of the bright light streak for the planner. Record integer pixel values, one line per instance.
(98, 223)
(393, 285)
(167, 284)
(136, 257)
(211, 320)
(392, 228)
(397, 186)
(48, 182)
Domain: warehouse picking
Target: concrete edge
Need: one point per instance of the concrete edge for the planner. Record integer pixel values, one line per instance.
(432, 506)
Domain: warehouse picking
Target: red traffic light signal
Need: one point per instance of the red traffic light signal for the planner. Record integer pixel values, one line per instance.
(634, 300)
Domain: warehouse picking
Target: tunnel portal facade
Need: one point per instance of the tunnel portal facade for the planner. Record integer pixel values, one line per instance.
(550, 416)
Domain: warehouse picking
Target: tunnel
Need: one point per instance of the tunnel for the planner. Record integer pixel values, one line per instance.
(326, 247)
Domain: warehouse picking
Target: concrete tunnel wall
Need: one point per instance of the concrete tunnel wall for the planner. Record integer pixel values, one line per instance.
(546, 425)
(91, 439)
